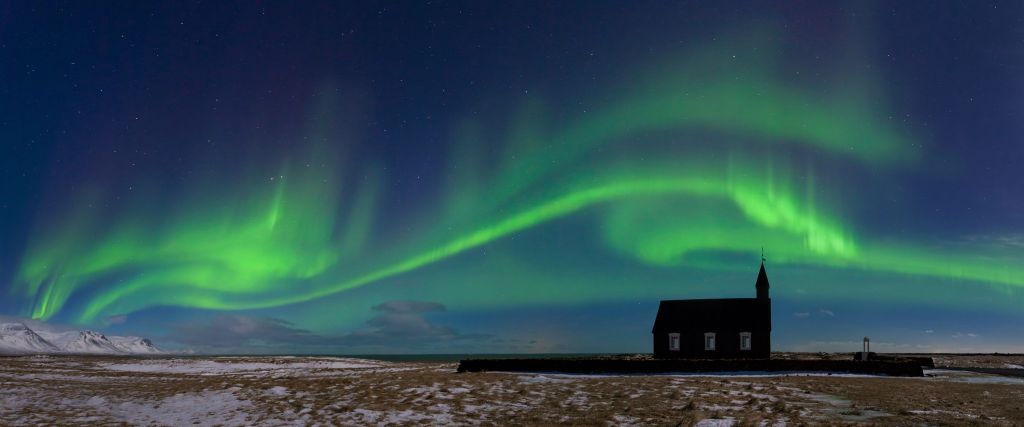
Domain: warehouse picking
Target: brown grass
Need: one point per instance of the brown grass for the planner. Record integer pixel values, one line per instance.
(58, 390)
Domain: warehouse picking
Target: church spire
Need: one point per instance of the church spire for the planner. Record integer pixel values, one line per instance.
(762, 280)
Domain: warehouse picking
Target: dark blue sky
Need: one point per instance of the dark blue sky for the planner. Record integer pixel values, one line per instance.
(421, 153)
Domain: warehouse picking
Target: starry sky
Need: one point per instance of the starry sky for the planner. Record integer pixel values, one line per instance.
(477, 177)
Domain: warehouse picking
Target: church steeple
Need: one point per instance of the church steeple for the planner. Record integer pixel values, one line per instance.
(762, 280)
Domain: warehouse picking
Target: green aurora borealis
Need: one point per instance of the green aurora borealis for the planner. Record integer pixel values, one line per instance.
(212, 256)
(694, 166)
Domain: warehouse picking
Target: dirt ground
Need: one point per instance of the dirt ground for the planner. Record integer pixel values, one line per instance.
(331, 391)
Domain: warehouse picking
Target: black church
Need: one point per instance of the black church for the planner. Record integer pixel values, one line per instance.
(728, 328)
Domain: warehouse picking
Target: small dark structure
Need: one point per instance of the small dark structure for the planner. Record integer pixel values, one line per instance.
(731, 328)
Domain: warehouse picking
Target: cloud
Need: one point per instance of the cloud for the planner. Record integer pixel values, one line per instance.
(402, 324)
(801, 314)
(116, 319)
(959, 335)
(398, 326)
(1006, 241)
(408, 307)
(232, 333)
(828, 313)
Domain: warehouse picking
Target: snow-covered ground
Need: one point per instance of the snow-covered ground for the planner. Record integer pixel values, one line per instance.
(207, 408)
(345, 391)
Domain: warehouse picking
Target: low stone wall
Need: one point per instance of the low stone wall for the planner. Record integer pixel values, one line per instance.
(926, 362)
(900, 368)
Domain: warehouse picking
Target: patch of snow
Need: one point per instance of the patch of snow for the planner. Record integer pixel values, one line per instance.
(405, 417)
(423, 390)
(623, 420)
(472, 409)
(989, 379)
(540, 379)
(970, 377)
(13, 400)
(950, 414)
(716, 422)
(761, 396)
(1012, 366)
(277, 391)
(578, 398)
(205, 409)
(721, 408)
(839, 407)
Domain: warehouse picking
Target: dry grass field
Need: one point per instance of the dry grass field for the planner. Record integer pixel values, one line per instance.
(331, 391)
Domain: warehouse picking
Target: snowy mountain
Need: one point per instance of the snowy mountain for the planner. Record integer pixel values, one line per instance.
(59, 339)
(135, 345)
(16, 338)
(90, 342)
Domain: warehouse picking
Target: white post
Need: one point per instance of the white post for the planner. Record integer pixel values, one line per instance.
(867, 349)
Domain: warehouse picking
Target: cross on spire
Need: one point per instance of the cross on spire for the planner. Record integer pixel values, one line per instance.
(763, 259)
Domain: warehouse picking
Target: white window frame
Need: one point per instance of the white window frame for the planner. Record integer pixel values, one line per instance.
(673, 341)
(745, 338)
(710, 347)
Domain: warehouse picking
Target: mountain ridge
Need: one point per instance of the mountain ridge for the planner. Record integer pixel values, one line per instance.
(17, 338)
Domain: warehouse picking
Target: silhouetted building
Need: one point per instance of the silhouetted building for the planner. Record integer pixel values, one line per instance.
(735, 328)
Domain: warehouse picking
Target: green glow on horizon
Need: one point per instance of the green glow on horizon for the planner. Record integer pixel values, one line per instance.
(308, 230)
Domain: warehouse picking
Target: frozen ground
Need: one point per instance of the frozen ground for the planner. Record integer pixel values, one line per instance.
(65, 390)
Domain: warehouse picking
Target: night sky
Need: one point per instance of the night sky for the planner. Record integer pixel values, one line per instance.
(478, 177)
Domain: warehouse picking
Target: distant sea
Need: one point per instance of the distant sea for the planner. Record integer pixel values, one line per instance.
(458, 357)
(455, 357)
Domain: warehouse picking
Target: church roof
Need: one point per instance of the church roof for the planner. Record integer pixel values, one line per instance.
(713, 314)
